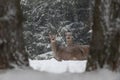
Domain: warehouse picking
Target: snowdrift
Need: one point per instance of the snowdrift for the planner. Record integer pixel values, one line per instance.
(55, 66)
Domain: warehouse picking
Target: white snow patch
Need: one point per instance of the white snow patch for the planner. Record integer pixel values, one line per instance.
(44, 56)
(90, 31)
(48, 46)
(59, 38)
(54, 66)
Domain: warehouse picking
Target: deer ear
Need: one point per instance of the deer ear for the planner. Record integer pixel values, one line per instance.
(66, 33)
(56, 35)
(49, 34)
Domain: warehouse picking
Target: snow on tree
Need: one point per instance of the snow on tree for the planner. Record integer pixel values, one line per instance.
(12, 49)
(56, 16)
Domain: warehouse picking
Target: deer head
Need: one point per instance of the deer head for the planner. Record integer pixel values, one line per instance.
(69, 38)
(52, 38)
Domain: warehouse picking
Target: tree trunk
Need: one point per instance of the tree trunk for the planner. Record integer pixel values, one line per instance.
(105, 44)
(12, 49)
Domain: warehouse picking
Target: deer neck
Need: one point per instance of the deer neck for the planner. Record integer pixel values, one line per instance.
(54, 47)
(69, 42)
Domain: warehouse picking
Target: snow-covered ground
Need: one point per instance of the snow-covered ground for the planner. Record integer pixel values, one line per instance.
(29, 74)
(47, 69)
(55, 66)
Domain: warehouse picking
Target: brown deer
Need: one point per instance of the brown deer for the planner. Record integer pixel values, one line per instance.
(64, 53)
(70, 44)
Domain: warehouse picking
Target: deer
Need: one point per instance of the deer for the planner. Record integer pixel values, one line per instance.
(69, 42)
(64, 53)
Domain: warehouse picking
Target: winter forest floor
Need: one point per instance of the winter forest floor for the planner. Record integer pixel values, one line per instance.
(59, 72)
(29, 74)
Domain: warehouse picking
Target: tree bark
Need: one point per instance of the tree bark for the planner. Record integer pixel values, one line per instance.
(105, 43)
(12, 49)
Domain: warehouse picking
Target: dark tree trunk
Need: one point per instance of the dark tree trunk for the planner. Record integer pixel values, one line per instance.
(12, 49)
(105, 44)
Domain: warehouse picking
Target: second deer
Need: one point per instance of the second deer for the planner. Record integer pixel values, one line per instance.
(84, 48)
